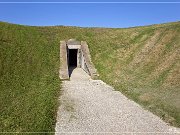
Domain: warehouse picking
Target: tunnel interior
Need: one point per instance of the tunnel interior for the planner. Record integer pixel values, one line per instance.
(72, 58)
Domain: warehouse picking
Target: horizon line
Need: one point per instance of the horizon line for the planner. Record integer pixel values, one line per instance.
(64, 25)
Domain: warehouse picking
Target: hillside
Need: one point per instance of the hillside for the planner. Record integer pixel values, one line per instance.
(141, 62)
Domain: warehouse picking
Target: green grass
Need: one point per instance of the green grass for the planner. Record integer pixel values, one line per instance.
(29, 64)
(29, 83)
(154, 81)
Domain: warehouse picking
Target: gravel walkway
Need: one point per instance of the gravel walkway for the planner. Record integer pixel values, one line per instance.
(93, 107)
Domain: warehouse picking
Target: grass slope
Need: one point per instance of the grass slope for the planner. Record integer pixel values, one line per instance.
(29, 82)
(141, 62)
(144, 64)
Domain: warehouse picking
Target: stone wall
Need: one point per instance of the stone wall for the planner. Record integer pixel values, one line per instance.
(63, 72)
(88, 65)
(83, 64)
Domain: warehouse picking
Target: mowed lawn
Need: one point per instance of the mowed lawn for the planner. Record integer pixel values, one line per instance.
(144, 64)
(141, 62)
(29, 83)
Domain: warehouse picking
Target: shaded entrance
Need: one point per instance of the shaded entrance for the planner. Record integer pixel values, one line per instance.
(72, 60)
(75, 54)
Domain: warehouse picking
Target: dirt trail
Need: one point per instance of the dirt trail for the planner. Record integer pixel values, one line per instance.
(92, 107)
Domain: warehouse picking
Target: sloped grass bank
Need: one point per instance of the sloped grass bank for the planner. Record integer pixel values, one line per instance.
(141, 62)
(144, 64)
(29, 83)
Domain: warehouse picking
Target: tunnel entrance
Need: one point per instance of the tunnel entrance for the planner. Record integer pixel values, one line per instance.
(72, 60)
(72, 57)
(75, 54)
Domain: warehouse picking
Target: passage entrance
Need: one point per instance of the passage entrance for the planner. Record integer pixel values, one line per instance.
(73, 57)
(75, 54)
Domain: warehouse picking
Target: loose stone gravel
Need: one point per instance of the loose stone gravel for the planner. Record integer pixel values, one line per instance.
(92, 107)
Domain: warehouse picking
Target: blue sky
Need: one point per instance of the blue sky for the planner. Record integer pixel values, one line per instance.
(90, 15)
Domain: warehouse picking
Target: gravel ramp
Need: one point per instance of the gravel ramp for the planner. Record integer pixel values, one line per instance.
(92, 107)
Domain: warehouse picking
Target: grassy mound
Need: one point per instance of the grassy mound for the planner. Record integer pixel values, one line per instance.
(144, 64)
(29, 83)
(141, 62)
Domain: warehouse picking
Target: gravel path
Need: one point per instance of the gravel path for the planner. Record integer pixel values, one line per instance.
(93, 107)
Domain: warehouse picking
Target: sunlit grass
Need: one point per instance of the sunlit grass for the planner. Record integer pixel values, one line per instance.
(29, 64)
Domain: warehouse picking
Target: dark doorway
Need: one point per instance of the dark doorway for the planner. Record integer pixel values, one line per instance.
(72, 63)
(72, 57)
